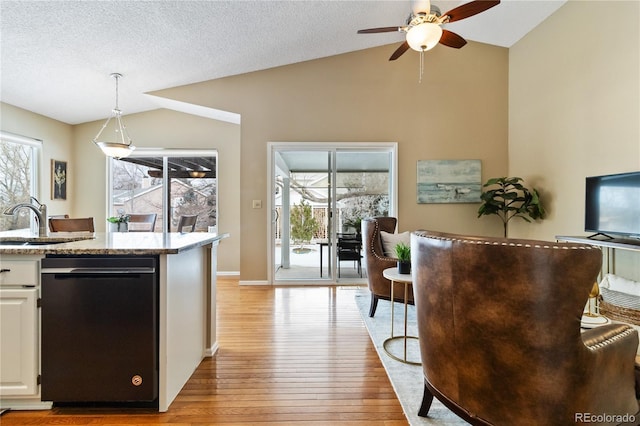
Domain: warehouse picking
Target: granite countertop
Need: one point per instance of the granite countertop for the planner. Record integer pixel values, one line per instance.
(79, 243)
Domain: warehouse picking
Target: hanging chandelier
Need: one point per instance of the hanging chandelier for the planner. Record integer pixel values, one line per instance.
(116, 143)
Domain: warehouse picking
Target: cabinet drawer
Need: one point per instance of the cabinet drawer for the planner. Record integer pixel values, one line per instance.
(19, 272)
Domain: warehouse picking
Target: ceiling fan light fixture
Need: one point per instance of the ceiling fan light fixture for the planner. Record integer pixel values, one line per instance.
(424, 36)
(121, 146)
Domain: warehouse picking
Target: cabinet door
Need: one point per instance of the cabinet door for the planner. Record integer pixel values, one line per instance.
(18, 341)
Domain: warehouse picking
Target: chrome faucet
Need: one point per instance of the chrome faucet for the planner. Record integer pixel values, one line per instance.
(39, 209)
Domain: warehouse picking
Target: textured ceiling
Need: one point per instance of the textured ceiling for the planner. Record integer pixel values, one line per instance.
(56, 56)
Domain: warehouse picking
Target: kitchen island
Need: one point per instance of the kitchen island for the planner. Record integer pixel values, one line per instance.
(186, 302)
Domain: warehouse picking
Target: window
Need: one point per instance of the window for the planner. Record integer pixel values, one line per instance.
(170, 183)
(19, 176)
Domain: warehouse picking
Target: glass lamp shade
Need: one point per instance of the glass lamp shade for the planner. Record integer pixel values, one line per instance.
(424, 36)
(114, 149)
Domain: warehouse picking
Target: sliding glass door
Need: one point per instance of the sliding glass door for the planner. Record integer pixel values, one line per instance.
(320, 193)
(169, 184)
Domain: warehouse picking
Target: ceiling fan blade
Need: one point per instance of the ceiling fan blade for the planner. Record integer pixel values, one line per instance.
(470, 9)
(379, 30)
(399, 51)
(452, 39)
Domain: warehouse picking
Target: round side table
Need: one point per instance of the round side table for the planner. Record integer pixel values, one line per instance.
(392, 275)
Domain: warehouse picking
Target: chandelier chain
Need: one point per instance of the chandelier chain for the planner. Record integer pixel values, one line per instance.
(117, 76)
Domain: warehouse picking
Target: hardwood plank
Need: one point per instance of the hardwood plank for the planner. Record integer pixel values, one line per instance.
(288, 355)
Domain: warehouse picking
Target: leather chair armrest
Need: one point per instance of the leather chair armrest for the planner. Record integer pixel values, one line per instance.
(610, 375)
(613, 334)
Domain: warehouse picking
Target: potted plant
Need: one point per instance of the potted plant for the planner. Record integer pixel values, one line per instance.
(403, 253)
(510, 199)
(119, 223)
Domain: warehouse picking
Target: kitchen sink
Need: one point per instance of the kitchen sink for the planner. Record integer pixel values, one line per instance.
(29, 243)
(40, 241)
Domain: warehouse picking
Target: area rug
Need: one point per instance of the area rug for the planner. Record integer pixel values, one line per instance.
(406, 379)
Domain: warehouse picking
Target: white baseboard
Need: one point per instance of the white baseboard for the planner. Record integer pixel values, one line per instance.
(261, 282)
(209, 352)
(25, 404)
(228, 273)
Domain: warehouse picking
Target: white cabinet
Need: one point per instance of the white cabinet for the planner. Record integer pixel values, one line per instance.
(20, 332)
(18, 341)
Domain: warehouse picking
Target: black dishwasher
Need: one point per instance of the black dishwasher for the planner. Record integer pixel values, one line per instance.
(100, 329)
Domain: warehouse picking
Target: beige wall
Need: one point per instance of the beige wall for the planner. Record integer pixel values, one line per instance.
(574, 110)
(459, 111)
(57, 143)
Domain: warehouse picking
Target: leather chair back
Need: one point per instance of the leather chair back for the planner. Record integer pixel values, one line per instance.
(499, 330)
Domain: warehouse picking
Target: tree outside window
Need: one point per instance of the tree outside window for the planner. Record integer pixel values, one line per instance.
(18, 173)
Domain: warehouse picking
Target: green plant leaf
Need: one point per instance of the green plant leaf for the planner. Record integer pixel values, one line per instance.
(403, 252)
(510, 199)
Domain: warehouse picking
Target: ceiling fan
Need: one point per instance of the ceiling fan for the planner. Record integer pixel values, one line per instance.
(424, 25)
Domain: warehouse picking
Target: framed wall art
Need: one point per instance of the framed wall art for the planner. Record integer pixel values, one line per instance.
(449, 181)
(58, 180)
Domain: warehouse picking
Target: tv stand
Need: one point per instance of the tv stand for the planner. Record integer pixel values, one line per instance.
(616, 243)
(630, 244)
(607, 237)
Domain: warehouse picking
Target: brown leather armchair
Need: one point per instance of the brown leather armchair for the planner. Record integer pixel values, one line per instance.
(375, 261)
(499, 330)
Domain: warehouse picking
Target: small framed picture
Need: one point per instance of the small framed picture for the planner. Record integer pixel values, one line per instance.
(58, 180)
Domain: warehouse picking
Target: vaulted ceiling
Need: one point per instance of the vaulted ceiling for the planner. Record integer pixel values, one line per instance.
(56, 56)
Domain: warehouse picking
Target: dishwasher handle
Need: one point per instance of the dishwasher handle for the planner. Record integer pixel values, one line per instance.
(98, 271)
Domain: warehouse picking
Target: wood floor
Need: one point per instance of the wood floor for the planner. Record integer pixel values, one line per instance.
(288, 356)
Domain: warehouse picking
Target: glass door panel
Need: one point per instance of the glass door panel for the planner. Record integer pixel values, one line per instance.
(362, 190)
(136, 189)
(192, 191)
(302, 246)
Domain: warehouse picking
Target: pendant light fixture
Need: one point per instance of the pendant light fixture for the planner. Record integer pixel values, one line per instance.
(116, 142)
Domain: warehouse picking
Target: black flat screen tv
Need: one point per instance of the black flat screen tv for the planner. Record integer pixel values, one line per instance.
(612, 205)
